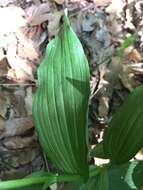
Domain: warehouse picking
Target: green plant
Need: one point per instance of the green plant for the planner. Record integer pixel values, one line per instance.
(129, 41)
(60, 110)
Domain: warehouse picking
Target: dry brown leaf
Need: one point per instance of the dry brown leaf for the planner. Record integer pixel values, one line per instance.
(53, 26)
(29, 51)
(23, 70)
(21, 159)
(38, 14)
(103, 108)
(108, 80)
(4, 104)
(127, 78)
(102, 2)
(18, 106)
(15, 173)
(25, 48)
(17, 142)
(4, 66)
(27, 156)
(2, 124)
(60, 2)
(108, 77)
(134, 56)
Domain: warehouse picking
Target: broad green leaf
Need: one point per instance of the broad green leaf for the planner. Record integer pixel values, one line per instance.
(124, 136)
(61, 103)
(116, 174)
(138, 174)
(126, 176)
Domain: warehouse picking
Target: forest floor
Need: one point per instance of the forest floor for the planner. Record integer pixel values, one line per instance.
(111, 32)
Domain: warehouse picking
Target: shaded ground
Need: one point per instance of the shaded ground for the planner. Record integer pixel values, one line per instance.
(26, 28)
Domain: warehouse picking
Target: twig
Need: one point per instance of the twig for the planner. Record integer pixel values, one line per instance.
(16, 84)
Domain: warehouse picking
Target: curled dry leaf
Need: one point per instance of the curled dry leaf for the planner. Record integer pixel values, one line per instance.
(38, 14)
(60, 2)
(133, 56)
(3, 67)
(127, 78)
(109, 78)
(120, 70)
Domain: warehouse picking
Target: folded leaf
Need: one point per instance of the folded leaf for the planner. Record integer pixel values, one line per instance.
(124, 136)
(61, 103)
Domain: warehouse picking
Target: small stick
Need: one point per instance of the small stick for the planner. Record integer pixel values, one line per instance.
(16, 84)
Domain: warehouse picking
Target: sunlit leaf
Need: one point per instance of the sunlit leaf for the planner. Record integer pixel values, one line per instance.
(61, 103)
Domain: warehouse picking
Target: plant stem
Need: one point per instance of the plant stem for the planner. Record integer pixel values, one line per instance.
(48, 180)
(19, 183)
